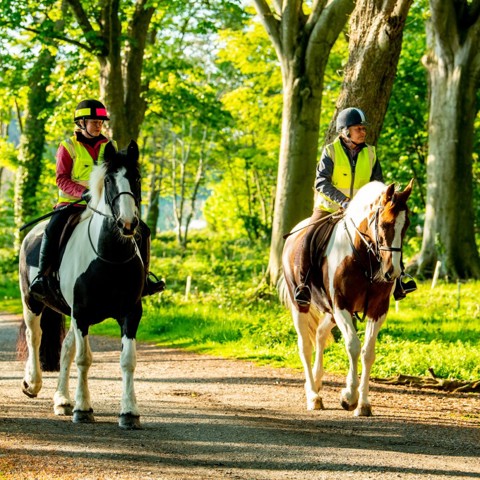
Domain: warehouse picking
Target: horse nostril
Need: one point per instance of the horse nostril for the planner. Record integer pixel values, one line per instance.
(135, 223)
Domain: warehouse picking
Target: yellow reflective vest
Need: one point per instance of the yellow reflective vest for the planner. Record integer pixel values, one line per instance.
(345, 179)
(82, 165)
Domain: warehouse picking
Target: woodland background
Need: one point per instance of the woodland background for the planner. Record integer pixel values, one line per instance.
(231, 103)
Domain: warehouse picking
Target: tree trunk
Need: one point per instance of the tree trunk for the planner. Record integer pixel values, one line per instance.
(32, 140)
(303, 43)
(453, 65)
(120, 64)
(376, 32)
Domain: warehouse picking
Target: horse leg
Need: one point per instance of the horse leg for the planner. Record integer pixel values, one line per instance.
(322, 337)
(83, 412)
(349, 395)
(129, 418)
(62, 402)
(305, 349)
(372, 328)
(32, 380)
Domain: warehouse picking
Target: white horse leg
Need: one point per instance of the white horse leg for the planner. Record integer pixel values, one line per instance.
(322, 337)
(349, 395)
(129, 414)
(32, 380)
(83, 412)
(368, 357)
(305, 349)
(62, 403)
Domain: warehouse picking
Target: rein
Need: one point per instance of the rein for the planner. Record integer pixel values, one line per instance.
(372, 249)
(113, 216)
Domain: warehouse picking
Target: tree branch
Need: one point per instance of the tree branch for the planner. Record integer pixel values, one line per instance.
(272, 26)
(94, 39)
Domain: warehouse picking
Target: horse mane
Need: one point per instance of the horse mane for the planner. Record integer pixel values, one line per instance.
(362, 203)
(96, 187)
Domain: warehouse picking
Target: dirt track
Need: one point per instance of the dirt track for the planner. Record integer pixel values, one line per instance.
(209, 418)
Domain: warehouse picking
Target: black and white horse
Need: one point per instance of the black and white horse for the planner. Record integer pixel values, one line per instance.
(101, 276)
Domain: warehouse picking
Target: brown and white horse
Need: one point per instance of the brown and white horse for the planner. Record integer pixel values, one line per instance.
(355, 274)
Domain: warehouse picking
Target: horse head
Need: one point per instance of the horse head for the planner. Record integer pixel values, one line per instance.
(390, 221)
(122, 186)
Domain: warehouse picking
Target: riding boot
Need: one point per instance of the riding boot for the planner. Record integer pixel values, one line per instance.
(151, 285)
(402, 288)
(303, 294)
(302, 261)
(38, 287)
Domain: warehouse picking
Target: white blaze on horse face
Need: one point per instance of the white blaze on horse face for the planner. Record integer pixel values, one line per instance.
(397, 243)
(126, 203)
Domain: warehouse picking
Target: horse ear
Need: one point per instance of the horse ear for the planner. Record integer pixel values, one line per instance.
(133, 150)
(408, 189)
(109, 153)
(389, 194)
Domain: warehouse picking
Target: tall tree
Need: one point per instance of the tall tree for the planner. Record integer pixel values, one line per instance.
(120, 53)
(375, 43)
(32, 141)
(302, 42)
(453, 64)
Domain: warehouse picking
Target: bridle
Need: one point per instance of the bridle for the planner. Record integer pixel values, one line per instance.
(373, 247)
(113, 217)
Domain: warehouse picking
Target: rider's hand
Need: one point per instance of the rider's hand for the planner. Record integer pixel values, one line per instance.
(86, 195)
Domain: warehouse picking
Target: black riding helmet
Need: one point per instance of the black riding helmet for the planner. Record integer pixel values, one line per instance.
(89, 110)
(350, 116)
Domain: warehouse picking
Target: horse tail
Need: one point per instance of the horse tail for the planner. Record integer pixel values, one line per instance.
(52, 324)
(282, 290)
(315, 316)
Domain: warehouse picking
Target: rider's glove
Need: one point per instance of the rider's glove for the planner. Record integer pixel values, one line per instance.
(86, 195)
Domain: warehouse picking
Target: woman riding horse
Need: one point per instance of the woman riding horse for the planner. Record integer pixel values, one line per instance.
(346, 165)
(76, 157)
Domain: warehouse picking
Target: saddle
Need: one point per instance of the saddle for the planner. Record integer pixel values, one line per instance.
(54, 298)
(318, 242)
(321, 236)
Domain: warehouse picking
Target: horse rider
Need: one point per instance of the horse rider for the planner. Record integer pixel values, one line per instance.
(76, 157)
(345, 166)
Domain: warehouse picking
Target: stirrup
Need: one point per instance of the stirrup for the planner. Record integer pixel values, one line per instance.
(153, 285)
(302, 295)
(38, 292)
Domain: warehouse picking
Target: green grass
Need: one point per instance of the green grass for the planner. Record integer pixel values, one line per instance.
(226, 314)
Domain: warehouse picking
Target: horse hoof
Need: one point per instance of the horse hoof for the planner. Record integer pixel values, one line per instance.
(25, 390)
(315, 404)
(80, 416)
(63, 410)
(363, 411)
(348, 406)
(128, 421)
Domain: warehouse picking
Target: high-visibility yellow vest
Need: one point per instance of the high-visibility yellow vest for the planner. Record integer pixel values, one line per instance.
(343, 178)
(82, 165)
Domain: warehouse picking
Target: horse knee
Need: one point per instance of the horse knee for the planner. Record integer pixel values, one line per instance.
(354, 347)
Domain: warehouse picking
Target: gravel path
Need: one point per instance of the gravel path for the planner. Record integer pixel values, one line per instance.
(210, 418)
